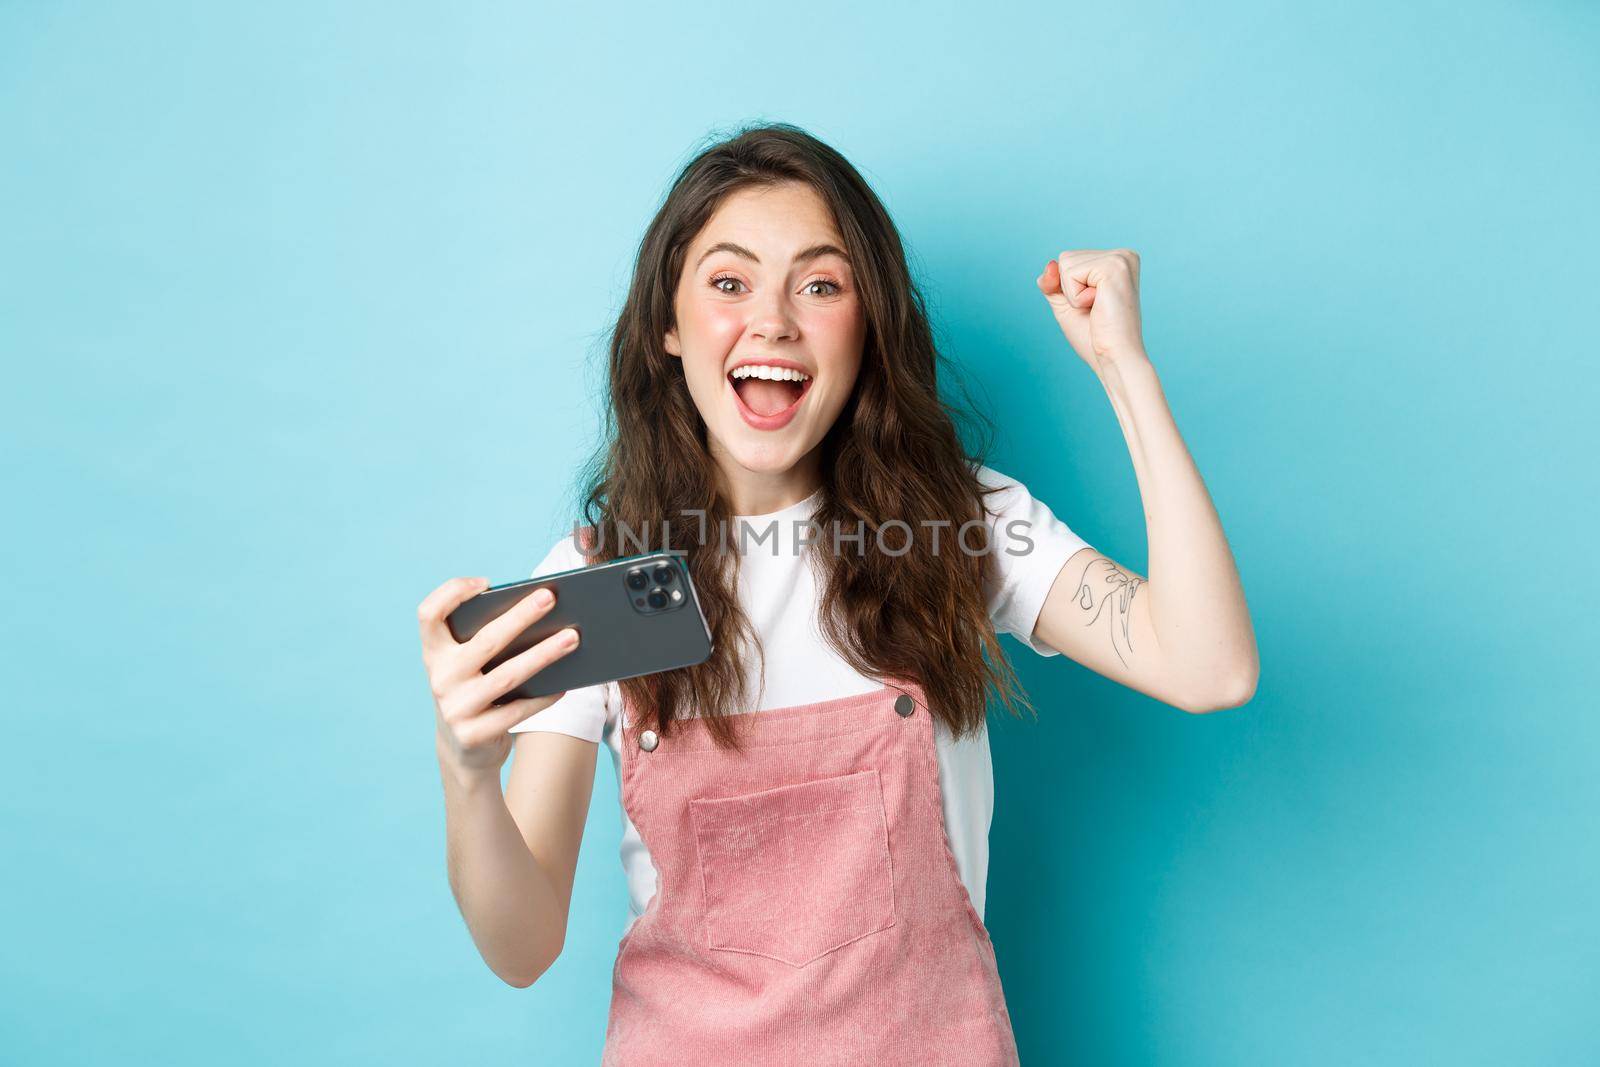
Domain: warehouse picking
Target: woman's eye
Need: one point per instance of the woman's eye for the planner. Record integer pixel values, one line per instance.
(717, 284)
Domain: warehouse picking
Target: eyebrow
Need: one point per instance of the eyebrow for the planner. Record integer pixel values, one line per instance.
(805, 254)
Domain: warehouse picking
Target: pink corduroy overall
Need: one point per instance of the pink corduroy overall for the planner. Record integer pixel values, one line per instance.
(808, 909)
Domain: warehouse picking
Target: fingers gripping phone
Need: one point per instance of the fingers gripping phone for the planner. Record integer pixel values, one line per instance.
(636, 615)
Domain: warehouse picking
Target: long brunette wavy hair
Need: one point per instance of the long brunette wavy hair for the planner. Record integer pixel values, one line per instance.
(893, 453)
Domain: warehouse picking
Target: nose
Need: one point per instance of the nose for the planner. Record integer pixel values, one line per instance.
(773, 322)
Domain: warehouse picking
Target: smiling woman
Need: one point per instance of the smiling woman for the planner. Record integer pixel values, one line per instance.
(774, 361)
(794, 360)
(769, 327)
(805, 832)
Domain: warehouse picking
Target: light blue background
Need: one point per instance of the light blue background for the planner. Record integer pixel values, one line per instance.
(297, 308)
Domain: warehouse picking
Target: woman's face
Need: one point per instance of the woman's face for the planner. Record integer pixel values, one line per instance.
(761, 289)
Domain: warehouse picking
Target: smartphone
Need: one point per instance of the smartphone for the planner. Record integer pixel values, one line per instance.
(636, 615)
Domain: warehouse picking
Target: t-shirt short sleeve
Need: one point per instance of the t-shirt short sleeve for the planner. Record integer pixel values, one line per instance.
(579, 712)
(1030, 546)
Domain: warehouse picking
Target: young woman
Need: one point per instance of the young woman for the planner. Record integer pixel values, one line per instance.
(806, 814)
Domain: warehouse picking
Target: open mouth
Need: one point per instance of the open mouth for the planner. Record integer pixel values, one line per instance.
(768, 396)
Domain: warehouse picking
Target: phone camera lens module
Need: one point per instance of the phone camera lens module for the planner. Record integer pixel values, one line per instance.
(658, 598)
(662, 574)
(637, 580)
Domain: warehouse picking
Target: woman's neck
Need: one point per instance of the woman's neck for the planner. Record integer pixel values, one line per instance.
(763, 492)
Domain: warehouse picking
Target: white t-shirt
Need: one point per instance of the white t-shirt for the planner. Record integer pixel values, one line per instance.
(776, 583)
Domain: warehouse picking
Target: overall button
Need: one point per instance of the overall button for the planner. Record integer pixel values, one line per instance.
(904, 705)
(648, 740)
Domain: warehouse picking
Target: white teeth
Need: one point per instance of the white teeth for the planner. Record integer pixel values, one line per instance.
(761, 370)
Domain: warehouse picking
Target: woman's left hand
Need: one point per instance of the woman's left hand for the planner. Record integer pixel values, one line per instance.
(1094, 295)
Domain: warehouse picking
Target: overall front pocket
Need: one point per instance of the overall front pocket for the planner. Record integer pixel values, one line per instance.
(795, 872)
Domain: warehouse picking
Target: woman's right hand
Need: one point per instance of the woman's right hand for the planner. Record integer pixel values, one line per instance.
(473, 732)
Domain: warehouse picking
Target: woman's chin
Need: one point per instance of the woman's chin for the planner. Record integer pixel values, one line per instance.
(763, 453)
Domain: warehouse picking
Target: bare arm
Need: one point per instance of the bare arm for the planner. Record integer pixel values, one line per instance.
(1184, 635)
(512, 856)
